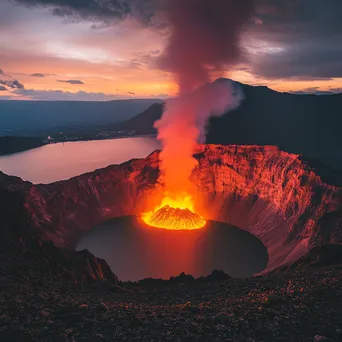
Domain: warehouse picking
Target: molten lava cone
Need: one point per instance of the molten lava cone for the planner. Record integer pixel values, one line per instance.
(174, 218)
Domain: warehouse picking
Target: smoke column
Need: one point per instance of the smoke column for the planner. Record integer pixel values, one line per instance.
(204, 38)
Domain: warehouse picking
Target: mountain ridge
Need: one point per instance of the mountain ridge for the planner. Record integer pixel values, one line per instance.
(301, 124)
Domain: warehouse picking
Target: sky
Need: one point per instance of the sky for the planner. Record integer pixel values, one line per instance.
(108, 49)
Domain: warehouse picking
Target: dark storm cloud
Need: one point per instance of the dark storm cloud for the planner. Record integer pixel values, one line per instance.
(14, 84)
(90, 9)
(96, 10)
(307, 33)
(2, 88)
(71, 81)
(312, 60)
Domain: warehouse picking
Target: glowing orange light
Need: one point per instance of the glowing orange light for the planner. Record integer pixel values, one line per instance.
(174, 215)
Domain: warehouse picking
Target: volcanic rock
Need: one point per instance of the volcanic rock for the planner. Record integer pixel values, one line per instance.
(216, 275)
(167, 217)
(272, 194)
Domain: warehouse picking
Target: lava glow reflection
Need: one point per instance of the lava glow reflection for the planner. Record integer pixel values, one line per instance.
(174, 215)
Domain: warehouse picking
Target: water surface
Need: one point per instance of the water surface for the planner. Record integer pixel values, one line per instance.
(61, 161)
(135, 251)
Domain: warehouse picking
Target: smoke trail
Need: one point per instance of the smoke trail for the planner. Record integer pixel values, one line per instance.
(204, 37)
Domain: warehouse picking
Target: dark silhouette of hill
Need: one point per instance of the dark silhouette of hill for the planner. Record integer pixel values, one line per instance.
(10, 145)
(302, 124)
(143, 122)
(30, 118)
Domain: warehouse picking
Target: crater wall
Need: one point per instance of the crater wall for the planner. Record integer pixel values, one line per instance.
(270, 193)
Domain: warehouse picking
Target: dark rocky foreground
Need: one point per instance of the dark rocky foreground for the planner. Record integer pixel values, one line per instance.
(49, 292)
(39, 304)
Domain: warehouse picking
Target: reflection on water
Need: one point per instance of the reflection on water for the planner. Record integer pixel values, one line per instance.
(60, 161)
(135, 251)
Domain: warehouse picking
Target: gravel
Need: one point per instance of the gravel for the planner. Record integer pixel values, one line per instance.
(297, 305)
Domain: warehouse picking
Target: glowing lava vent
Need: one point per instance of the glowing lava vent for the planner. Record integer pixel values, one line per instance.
(174, 215)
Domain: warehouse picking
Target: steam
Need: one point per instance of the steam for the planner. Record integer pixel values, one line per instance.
(182, 126)
(204, 38)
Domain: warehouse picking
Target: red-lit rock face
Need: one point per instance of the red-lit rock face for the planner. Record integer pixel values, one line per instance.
(270, 193)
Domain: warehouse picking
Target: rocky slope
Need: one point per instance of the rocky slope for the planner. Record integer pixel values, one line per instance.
(287, 306)
(272, 194)
(20, 240)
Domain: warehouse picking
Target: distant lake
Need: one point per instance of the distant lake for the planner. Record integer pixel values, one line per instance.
(61, 161)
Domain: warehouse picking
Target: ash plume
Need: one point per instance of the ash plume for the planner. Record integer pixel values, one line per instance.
(204, 37)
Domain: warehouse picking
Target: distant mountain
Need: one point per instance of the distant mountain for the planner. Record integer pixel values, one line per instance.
(143, 122)
(10, 145)
(302, 124)
(46, 117)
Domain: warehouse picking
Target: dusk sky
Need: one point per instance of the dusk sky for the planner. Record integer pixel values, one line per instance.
(108, 49)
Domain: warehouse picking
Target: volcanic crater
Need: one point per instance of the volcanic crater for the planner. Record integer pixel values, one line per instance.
(271, 194)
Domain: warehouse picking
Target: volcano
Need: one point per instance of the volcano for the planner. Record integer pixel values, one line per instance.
(174, 219)
(272, 195)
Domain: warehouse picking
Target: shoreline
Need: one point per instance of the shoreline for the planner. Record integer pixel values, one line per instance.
(111, 138)
(79, 140)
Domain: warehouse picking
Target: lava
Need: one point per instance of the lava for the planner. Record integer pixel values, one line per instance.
(175, 215)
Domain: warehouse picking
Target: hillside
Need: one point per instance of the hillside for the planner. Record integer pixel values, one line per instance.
(9, 145)
(42, 118)
(302, 124)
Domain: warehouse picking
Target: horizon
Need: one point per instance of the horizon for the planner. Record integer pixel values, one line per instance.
(67, 51)
(299, 92)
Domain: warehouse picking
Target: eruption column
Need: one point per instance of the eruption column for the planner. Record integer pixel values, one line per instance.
(204, 38)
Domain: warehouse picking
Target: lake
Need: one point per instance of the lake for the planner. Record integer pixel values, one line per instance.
(135, 251)
(55, 162)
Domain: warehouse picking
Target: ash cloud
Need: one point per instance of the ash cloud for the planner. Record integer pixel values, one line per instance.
(2, 88)
(71, 81)
(205, 36)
